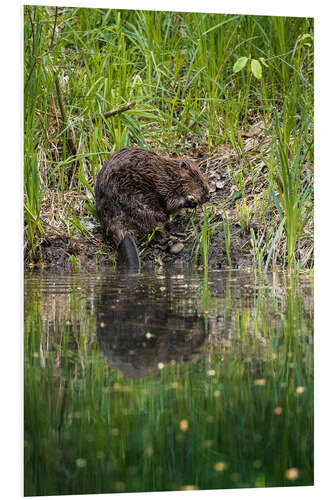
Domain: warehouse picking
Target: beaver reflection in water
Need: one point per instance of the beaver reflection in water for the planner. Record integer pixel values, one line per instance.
(137, 190)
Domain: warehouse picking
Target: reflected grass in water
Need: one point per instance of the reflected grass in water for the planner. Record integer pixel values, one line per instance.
(237, 414)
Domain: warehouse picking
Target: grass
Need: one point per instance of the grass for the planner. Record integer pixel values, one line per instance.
(241, 416)
(168, 80)
(207, 229)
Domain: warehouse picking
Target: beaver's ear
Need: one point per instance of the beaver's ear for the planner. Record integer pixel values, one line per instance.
(183, 165)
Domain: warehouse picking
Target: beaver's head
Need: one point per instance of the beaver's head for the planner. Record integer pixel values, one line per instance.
(194, 187)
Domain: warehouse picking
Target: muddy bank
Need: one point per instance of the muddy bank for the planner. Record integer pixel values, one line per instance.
(239, 194)
(174, 247)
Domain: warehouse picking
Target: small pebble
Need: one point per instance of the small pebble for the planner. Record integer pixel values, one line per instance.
(176, 248)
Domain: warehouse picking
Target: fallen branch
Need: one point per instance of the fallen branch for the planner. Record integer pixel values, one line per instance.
(70, 138)
(116, 111)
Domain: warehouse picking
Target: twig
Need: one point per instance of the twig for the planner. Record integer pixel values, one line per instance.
(30, 74)
(113, 112)
(116, 111)
(54, 28)
(70, 137)
(61, 102)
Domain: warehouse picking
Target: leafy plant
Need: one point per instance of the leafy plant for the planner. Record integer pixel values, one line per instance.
(295, 193)
(254, 64)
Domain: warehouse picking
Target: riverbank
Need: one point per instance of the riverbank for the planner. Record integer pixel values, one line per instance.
(244, 114)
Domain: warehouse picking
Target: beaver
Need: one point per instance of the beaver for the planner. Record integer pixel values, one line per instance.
(136, 191)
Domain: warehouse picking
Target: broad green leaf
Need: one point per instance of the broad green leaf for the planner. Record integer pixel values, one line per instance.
(240, 64)
(256, 68)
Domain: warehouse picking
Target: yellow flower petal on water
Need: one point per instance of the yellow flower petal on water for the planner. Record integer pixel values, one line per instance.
(235, 476)
(183, 425)
(292, 474)
(219, 466)
(119, 485)
(188, 487)
(80, 463)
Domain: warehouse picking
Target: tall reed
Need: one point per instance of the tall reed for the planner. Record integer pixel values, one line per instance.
(295, 188)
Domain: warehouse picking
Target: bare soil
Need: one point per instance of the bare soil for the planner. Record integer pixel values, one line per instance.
(60, 253)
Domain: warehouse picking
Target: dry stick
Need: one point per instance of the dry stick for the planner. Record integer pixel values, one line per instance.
(57, 84)
(70, 138)
(54, 29)
(113, 112)
(64, 117)
(37, 58)
(30, 74)
(116, 111)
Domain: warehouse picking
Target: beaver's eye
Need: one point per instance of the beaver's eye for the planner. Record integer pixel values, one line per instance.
(183, 165)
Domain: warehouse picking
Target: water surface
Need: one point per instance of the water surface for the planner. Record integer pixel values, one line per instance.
(167, 381)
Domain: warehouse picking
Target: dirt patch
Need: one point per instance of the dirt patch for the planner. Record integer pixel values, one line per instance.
(64, 254)
(174, 247)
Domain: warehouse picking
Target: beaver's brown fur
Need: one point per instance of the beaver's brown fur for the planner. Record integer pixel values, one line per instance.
(136, 190)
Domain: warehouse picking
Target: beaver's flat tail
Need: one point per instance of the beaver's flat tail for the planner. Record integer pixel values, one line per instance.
(128, 254)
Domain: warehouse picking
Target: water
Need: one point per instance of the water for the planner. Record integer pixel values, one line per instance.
(167, 381)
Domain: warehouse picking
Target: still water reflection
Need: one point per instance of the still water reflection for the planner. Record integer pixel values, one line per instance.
(144, 325)
(167, 381)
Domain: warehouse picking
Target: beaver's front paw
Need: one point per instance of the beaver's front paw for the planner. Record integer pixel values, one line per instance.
(190, 202)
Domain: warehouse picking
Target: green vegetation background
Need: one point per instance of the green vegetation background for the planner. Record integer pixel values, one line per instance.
(177, 83)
